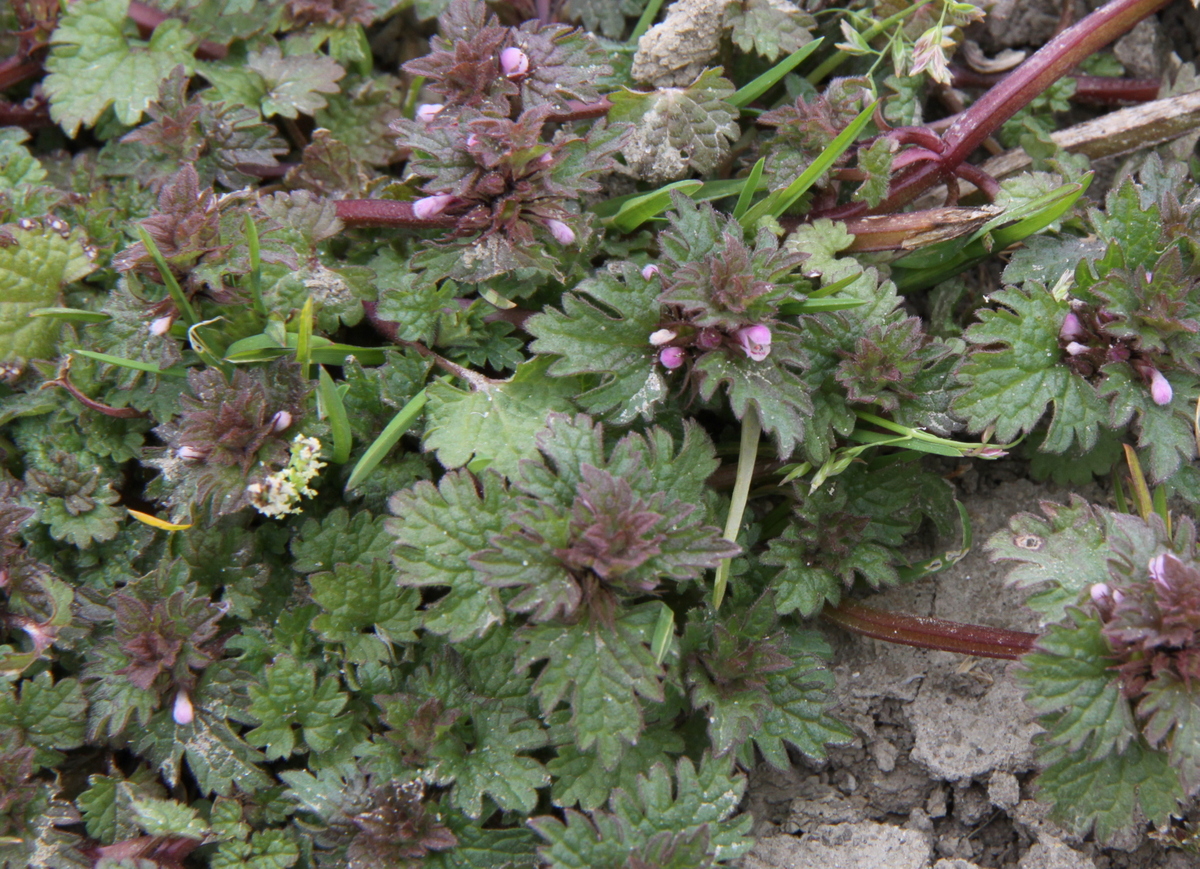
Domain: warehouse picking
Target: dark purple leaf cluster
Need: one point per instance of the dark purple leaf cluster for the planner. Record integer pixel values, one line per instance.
(232, 431)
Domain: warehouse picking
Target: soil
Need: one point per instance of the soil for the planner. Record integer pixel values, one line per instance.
(941, 773)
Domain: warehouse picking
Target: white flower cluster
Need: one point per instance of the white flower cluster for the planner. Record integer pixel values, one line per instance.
(279, 493)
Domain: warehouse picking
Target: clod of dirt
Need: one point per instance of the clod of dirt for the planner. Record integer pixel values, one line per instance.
(1050, 853)
(675, 51)
(844, 846)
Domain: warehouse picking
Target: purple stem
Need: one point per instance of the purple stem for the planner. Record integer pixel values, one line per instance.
(386, 212)
(926, 632)
(1048, 64)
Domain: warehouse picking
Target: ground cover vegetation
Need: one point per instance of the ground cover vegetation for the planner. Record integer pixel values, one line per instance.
(428, 432)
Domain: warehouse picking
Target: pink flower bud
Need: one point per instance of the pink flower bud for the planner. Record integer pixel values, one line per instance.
(1100, 593)
(708, 339)
(649, 271)
(281, 420)
(514, 63)
(183, 712)
(1160, 389)
(431, 206)
(755, 341)
(671, 357)
(427, 111)
(472, 140)
(1071, 328)
(191, 453)
(661, 337)
(161, 325)
(1076, 349)
(562, 233)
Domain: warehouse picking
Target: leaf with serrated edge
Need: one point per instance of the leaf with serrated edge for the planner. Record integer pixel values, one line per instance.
(601, 670)
(496, 421)
(438, 529)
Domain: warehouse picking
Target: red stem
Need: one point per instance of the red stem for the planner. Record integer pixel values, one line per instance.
(386, 212)
(580, 111)
(1092, 89)
(18, 69)
(1015, 91)
(926, 632)
(147, 18)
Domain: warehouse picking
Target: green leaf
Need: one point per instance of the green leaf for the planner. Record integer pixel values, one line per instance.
(364, 611)
(1067, 549)
(768, 28)
(580, 777)
(94, 65)
(216, 756)
(47, 714)
(290, 695)
(587, 338)
(771, 386)
(159, 817)
(1014, 373)
(34, 270)
(484, 848)
(799, 715)
(1068, 679)
(339, 539)
(492, 763)
(1172, 721)
(677, 130)
(601, 670)
(708, 795)
(276, 85)
(1103, 793)
(495, 420)
(437, 530)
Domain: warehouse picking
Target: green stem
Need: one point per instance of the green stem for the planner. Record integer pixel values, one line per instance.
(839, 57)
(747, 453)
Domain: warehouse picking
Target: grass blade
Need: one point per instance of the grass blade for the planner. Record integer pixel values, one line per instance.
(743, 202)
(335, 411)
(781, 200)
(135, 364)
(748, 93)
(387, 439)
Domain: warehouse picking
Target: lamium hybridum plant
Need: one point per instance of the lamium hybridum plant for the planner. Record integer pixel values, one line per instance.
(435, 453)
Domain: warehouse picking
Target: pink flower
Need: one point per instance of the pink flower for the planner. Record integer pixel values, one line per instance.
(431, 206)
(671, 357)
(755, 341)
(649, 271)
(562, 233)
(1071, 328)
(514, 63)
(281, 420)
(1160, 389)
(1075, 348)
(1158, 571)
(661, 337)
(427, 111)
(161, 325)
(183, 712)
